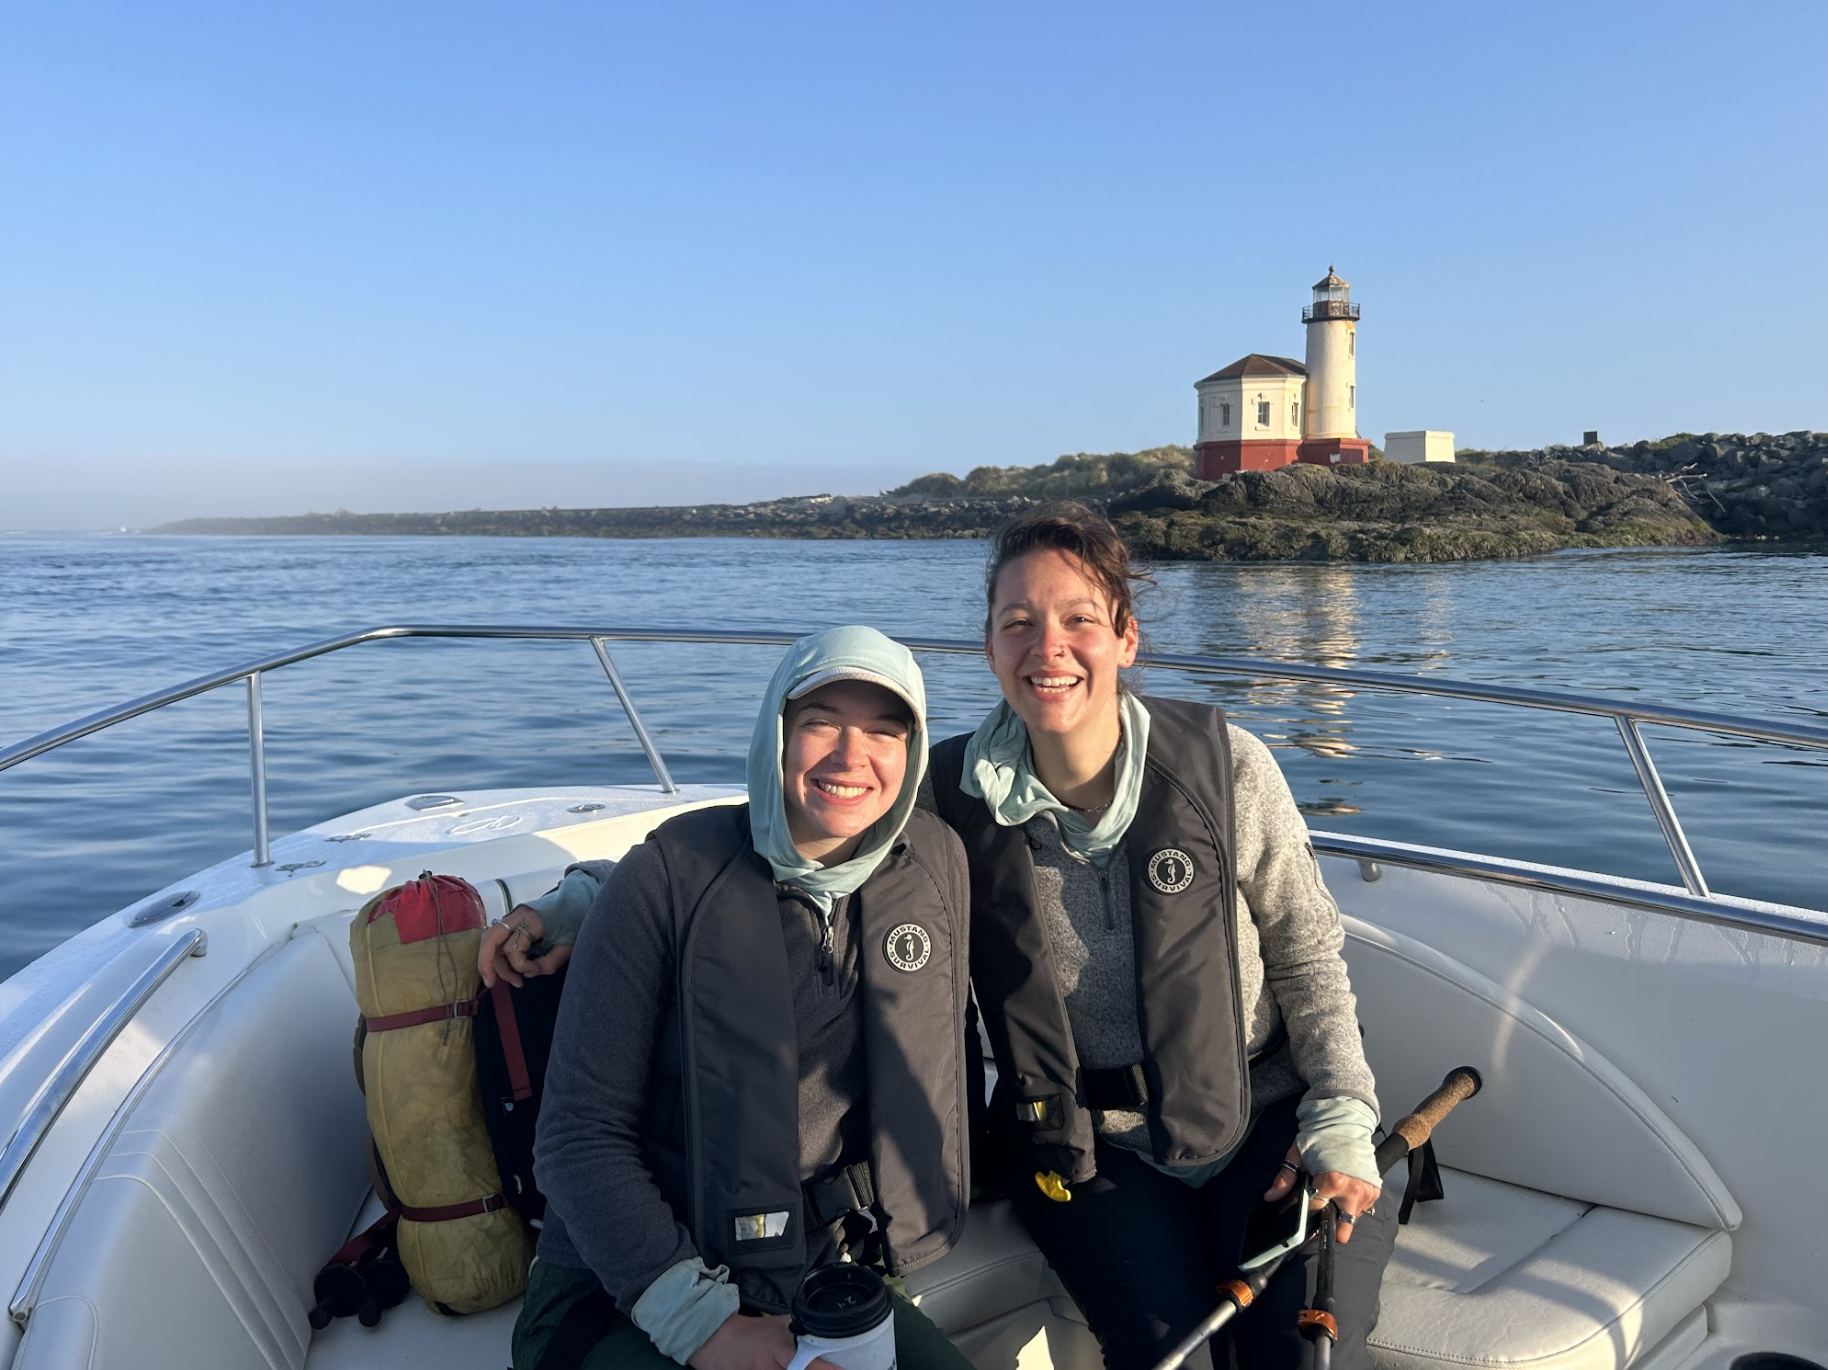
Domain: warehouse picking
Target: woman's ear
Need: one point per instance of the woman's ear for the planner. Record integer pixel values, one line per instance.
(1127, 642)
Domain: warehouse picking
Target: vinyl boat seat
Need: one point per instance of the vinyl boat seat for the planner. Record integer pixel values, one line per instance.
(1595, 1242)
(1495, 1276)
(1501, 1276)
(993, 1294)
(1581, 1229)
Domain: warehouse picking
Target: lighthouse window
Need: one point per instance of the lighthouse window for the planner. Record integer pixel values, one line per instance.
(1263, 413)
(1351, 344)
(1352, 396)
(1225, 416)
(1294, 413)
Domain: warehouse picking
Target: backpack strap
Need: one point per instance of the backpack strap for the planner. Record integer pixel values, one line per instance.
(513, 1054)
(376, 1236)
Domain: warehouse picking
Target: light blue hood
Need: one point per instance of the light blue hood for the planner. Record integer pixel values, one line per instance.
(856, 653)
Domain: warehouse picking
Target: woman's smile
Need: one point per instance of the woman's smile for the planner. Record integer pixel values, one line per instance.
(1053, 647)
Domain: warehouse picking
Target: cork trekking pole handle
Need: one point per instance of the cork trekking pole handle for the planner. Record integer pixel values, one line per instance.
(1412, 1130)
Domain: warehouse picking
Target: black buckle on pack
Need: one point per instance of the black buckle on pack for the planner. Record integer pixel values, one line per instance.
(851, 1190)
(1116, 1087)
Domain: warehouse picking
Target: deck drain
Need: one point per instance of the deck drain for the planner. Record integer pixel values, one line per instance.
(584, 808)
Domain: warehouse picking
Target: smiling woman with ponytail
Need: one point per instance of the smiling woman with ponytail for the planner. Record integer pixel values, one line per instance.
(1158, 967)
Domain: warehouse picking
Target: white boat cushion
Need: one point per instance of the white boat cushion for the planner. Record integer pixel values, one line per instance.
(1555, 1114)
(1500, 1276)
(993, 1294)
(229, 1186)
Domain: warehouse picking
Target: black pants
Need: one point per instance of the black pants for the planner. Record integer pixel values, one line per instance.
(1142, 1255)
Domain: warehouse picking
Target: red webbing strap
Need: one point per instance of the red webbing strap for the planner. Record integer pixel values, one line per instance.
(511, 1050)
(437, 1013)
(380, 1233)
(487, 1204)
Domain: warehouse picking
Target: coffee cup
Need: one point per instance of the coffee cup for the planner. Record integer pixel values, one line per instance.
(842, 1315)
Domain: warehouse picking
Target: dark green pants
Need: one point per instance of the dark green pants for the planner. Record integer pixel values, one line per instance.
(554, 1291)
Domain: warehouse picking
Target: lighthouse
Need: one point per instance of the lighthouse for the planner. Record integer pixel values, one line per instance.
(1263, 411)
(1329, 434)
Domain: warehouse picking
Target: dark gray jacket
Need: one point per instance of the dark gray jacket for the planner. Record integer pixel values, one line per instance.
(713, 1056)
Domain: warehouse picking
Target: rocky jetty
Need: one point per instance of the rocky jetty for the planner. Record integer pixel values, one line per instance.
(1758, 486)
(1384, 512)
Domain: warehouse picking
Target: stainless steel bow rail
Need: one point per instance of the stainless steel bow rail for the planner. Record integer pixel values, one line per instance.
(1629, 718)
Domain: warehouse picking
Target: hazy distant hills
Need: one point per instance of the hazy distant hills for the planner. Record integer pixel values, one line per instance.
(1682, 491)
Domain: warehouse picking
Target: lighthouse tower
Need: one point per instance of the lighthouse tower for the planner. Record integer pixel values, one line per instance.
(1329, 434)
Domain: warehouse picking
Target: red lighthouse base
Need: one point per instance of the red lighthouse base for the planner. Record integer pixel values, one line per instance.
(1211, 460)
(1215, 460)
(1335, 451)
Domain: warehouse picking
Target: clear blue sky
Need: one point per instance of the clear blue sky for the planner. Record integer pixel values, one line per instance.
(262, 257)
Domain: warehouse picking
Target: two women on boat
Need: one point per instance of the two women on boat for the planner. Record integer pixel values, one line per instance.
(1154, 954)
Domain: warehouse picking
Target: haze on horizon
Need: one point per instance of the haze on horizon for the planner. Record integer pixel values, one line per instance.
(267, 259)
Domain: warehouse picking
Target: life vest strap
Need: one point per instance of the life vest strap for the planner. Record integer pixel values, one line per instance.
(1115, 1087)
(437, 1013)
(851, 1190)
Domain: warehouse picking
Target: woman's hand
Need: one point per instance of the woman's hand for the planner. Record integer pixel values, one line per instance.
(742, 1343)
(1354, 1197)
(505, 947)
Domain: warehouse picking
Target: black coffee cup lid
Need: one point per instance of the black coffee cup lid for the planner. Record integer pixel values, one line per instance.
(840, 1301)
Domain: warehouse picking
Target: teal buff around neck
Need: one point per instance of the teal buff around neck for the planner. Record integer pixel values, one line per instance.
(1000, 770)
(854, 653)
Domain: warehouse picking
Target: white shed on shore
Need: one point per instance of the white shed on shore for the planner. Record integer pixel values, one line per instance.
(1420, 445)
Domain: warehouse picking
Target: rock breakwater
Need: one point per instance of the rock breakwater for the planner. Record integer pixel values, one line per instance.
(1760, 485)
(1384, 512)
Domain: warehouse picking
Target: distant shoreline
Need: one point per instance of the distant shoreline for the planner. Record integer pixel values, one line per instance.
(1682, 491)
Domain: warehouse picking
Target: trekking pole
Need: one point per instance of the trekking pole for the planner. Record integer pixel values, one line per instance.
(1409, 1133)
(1318, 1324)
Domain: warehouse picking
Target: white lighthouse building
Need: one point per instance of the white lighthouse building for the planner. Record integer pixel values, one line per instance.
(1264, 411)
(1330, 435)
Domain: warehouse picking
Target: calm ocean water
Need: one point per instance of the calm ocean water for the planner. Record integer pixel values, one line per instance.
(89, 622)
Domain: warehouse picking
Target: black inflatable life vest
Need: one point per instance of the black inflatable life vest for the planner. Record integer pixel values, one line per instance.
(728, 1157)
(1194, 1074)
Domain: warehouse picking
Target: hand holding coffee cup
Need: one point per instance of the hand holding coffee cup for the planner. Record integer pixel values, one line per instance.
(843, 1317)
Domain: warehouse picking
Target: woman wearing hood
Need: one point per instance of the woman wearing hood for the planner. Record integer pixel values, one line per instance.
(763, 996)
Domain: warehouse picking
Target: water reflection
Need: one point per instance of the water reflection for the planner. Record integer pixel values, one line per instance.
(1310, 615)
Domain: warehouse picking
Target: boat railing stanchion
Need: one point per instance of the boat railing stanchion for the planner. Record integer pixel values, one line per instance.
(257, 763)
(1665, 811)
(634, 718)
